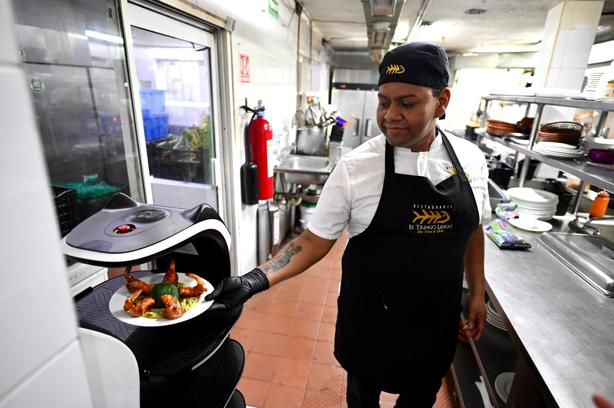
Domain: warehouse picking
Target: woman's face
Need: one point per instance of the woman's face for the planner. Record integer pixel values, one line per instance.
(407, 114)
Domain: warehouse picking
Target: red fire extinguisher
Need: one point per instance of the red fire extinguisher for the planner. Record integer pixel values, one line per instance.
(261, 137)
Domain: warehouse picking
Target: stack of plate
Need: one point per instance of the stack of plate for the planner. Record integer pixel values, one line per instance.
(493, 317)
(558, 150)
(534, 203)
(503, 385)
(499, 128)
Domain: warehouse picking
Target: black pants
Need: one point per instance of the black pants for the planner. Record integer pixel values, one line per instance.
(363, 393)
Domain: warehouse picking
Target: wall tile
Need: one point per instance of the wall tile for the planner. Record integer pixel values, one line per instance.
(552, 77)
(46, 322)
(559, 47)
(577, 49)
(61, 381)
(570, 78)
(8, 53)
(566, 18)
(586, 15)
(553, 17)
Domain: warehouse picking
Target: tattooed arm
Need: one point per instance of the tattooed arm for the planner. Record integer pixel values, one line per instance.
(293, 259)
(296, 257)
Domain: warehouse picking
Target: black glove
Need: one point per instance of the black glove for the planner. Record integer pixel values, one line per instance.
(235, 290)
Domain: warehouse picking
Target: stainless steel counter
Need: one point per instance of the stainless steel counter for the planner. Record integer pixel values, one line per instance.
(565, 325)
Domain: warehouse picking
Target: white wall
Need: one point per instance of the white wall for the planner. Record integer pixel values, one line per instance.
(271, 44)
(41, 359)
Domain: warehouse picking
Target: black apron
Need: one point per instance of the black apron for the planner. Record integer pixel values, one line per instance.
(399, 304)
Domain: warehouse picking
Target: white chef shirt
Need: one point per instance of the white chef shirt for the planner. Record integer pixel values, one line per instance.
(352, 192)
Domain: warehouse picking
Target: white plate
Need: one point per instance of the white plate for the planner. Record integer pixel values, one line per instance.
(530, 224)
(557, 146)
(116, 304)
(538, 207)
(503, 385)
(602, 165)
(531, 196)
(558, 152)
(494, 323)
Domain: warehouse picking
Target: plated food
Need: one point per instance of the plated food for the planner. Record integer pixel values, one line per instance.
(169, 299)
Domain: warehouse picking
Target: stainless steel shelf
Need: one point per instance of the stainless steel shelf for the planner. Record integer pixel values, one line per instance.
(567, 102)
(597, 176)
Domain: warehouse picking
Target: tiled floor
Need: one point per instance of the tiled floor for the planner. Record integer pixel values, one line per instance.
(287, 333)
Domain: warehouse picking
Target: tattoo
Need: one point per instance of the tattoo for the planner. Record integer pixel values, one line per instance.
(282, 258)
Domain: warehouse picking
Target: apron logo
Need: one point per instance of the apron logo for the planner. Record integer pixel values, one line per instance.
(452, 171)
(395, 69)
(431, 217)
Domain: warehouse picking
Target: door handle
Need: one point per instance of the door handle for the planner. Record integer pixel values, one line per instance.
(357, 128)
(368, 127)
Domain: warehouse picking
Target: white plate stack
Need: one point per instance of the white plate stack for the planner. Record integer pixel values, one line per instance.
(558, 150)
(493, 317)
(503, 385)
(534, 203)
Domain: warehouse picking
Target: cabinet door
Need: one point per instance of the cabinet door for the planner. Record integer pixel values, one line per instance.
(369, 113)
(73, 55)
(350, 104)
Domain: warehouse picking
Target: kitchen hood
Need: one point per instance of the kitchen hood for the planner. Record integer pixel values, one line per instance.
(381, 17)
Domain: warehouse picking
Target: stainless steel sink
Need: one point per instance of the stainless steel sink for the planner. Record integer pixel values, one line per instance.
(305, 169)
(591, 257)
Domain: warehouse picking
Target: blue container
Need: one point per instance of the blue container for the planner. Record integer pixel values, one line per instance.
(153, 100)
(161, 124)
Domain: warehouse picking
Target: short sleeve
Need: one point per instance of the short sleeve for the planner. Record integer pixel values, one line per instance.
(333, 209)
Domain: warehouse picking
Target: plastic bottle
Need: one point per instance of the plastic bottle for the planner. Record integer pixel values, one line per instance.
(600, 204)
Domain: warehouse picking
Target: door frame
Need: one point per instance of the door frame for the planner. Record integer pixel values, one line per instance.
(227, 158)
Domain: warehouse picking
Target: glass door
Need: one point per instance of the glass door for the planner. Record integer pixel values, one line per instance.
(74, 58)
(173, 63)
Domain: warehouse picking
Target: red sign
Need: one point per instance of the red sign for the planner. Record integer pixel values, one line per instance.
(244, 67)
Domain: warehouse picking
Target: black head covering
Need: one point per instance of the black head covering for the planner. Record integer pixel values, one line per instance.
(417, 63)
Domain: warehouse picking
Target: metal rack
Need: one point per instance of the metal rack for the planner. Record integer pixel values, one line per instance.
(600, 177)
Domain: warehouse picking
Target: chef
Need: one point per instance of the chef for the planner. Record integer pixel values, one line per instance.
(412, 200)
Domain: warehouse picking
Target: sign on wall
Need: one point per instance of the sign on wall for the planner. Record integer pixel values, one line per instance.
(244, 69)
(274, 8)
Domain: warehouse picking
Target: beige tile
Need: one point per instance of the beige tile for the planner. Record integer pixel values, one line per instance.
(292, 372)
(283, 396)
(254, 391)
(304, 328)
(269, 343)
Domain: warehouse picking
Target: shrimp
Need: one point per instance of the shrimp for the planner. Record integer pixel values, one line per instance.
(172, 307)
(171, 275)
(137, 308)
(193, 291)
(133, 284)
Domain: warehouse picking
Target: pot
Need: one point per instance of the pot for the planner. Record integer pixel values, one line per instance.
(604, 156)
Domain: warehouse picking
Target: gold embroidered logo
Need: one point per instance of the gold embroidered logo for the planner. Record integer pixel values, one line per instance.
(395, 69)
(431, 217)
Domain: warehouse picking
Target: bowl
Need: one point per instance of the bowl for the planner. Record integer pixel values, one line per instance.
(567, 138)
(562, 126)
(525, 124)
(604, 156)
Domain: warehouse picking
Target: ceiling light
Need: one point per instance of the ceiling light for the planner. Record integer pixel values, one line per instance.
(383, 8)
(474, 11)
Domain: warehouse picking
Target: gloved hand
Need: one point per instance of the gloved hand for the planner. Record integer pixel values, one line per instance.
(236, 290)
